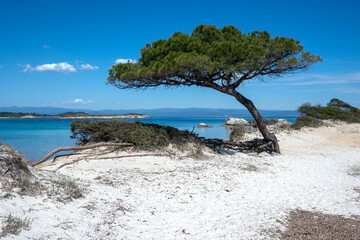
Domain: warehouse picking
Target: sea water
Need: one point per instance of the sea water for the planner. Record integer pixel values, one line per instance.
(36, 137)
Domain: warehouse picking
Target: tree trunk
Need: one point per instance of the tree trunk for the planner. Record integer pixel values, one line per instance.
(258, 118)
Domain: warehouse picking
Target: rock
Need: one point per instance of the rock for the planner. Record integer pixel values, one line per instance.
(283, 123)
(12, 164)
(236, 121)
(203, 125)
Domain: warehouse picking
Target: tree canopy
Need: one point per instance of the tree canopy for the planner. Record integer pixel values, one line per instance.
(222, 59)
(212, 57)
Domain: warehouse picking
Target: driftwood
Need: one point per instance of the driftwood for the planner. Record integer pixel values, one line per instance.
(78, 148)
(115, 157)
(78, 154)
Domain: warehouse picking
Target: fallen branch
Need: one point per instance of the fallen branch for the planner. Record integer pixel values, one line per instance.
(75, 153)
(78, 148)
(65, 164)
(101, 158)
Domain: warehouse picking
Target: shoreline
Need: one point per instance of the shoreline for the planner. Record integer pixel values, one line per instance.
(230, 196)
(85, 117)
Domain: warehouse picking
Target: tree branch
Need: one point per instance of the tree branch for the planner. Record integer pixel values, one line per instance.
(33, 164)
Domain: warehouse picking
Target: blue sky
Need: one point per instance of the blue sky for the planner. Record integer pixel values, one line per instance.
(57, 53)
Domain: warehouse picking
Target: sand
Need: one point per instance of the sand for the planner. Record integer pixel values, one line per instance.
(235, 196)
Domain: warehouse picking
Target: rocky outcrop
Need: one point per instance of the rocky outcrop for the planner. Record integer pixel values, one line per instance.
(236, 122)
(283, 123)
(273, 123)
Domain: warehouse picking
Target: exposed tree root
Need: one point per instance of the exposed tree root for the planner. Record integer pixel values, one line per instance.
(78, 148)
(256, 145)
(134, 155)
(79, 153)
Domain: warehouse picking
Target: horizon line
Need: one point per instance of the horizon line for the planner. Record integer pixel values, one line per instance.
(259, 109)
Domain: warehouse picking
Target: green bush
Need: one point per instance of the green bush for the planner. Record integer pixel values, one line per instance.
(70, 187)
(143, 136)
(237, 133)
(306, 121)
(335, 110)
(338, 104)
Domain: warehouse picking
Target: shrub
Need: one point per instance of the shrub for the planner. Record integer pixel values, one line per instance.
(237, 133)
(70, 188)
(306, 121)
(143, 136)
(335, 110)
(338, 104)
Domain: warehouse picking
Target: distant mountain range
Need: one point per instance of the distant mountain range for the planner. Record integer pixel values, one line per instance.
(159, 112)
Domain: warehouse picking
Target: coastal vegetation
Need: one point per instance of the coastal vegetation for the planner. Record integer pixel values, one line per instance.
(144, 136)
(222, 59)
(20, 115)
(67, 187)
(336, 109)
(14, 225)
(72, 115)
(141, 135)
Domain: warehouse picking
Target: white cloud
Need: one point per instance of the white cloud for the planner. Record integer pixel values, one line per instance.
(88, 67)
(80, 101)
(317, 79)
(51, 67)
(120, 60)
(46, 46)
(351, 90)
(27, 67)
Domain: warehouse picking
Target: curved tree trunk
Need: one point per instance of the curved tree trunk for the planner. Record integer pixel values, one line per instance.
(258, 118)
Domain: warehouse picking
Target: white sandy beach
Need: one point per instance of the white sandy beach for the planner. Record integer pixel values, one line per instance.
(239, 196)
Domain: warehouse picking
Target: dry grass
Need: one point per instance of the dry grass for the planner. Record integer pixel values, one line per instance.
(14, 225)
(6, 196)
(250, 168)
(65, 190)
(354, 171)
(319, 226)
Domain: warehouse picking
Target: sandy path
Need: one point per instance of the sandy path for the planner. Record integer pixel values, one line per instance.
(224, 197)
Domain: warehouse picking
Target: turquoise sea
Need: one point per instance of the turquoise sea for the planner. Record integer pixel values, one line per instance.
(37, 137)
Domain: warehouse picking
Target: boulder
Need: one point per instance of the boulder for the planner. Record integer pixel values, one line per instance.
(204, 125)
(283, 123)
(236, 122)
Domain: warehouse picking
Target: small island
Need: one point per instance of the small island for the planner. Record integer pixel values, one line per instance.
(71, 115)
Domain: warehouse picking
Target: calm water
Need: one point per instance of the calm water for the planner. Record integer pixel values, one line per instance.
(37, 137)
